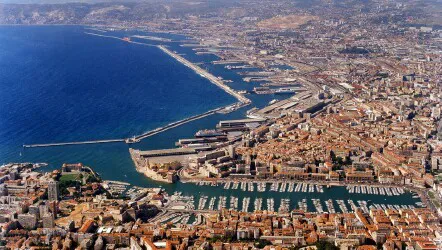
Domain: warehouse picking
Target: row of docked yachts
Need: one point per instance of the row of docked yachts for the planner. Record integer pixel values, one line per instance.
(286, 186)
(274, 186)
(260, 204)
(389, 191)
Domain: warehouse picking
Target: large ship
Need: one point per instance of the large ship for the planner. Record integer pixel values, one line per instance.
(209, 133)
(285, 91)
(236, 67)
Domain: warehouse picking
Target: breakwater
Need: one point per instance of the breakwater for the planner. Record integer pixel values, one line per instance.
(218, 82)
(179, 123)
(138, 138)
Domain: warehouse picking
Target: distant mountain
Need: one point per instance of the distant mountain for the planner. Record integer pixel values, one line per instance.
(109, 12)
(63, 1)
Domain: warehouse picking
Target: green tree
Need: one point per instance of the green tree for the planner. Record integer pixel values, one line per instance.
(325, 245)
(261, 243)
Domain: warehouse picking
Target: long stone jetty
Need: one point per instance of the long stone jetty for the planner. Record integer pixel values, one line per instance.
(205, 74)
(140, 137)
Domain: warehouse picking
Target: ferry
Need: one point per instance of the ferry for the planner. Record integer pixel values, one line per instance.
(236, 67)
(262, 90)
(209, 133)
(285, 91)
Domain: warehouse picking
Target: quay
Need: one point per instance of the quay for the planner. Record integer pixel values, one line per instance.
(228, 61)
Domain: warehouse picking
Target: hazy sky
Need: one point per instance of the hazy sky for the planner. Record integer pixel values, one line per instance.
(62, 1)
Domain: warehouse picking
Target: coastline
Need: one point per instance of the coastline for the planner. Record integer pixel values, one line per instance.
(145, 170)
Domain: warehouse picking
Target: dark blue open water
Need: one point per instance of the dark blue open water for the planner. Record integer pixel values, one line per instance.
(58, 84)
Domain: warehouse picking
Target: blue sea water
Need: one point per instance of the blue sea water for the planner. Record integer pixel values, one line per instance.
(59, 84)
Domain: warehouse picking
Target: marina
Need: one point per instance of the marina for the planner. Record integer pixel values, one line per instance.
(285, 205)
(249, 196)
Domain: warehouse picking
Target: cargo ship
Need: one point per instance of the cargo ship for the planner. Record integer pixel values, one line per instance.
(209, 133)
